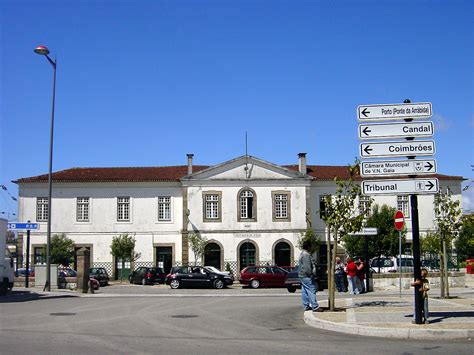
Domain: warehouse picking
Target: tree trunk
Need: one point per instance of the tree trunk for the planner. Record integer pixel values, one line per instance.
(121, 270)
(441, 275)
(445, 267)
(330, 274)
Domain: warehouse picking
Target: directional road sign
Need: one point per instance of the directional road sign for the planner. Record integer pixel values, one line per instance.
(399, 220)
(396, 130)
(21, 226)
(366, 231)
(398, 167)
(397, 149)
(394, 111)
(393, 187)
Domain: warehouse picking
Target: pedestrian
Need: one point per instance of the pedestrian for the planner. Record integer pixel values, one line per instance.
(351, 271)
(424, 288)
(361, 275)
(340, 275)
(307, 275)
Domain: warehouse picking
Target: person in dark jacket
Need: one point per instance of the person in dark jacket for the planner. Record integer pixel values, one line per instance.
(307, 275)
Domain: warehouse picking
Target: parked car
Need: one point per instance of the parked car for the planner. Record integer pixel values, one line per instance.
(147, 275)
(217, 271)
(292, 281)
(263, 276)
(67, 272)
(289, 268)
(433, 265)
(390, 264)
(100, 274)
(197, 276)
(22, 272)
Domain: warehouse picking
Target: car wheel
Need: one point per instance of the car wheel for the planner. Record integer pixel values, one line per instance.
(174, 284)
(291, 289)
(143, 281)
(255, 284)
(218, 284)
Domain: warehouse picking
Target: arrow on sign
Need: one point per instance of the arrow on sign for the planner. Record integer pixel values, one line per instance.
(430, 185)
(367, 150)
(366, 131)
(365, 112)
(429, 166)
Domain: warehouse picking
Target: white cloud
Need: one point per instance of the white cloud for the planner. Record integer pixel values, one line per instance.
(468, 199)
(441, 123)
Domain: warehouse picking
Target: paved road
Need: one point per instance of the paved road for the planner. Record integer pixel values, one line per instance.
(183, 322)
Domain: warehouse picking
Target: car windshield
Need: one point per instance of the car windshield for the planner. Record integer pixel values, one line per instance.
(213, 269)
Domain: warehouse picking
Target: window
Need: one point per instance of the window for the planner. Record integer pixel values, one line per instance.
(123, 209)
(364, 205)
(212, 206)
(281, 206)
(82, 209)
(247, 205)
(322, 205)
(403, 204)
(164, 208)
(39, 257)
(42, 207)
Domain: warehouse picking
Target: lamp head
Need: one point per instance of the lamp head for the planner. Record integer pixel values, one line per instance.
(42, 50)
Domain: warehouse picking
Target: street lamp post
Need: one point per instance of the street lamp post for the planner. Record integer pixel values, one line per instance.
(42, 50)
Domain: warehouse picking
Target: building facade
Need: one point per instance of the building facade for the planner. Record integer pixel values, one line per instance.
(250, 211)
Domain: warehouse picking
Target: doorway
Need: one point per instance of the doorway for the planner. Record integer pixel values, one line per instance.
(164, 258)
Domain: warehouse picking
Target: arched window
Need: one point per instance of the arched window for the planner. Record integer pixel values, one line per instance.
(247, 205)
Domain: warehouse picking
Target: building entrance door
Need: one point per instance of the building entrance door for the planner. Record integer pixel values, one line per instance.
(212, 255)
(282, 254)
(164, 258)
(247, 253)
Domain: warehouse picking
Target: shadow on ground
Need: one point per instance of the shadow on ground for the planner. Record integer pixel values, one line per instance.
(28, 296)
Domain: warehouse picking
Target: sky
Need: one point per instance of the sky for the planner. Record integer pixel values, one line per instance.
(143, 83)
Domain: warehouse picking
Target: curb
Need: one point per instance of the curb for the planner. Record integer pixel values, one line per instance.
(395, 333)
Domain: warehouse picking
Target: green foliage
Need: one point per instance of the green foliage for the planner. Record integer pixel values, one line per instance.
(314, 239)
(448, 216)
(465, 242)
(61, 250)
(197, 243)
(122, 247)
(430, 243)
(386, 242)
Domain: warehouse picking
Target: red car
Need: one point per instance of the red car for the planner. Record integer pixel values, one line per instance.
(265, 276)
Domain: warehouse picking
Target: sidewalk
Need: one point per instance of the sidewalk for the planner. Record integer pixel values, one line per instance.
(391, 317)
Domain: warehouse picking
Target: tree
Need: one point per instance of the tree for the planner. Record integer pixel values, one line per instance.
(61, 250)
(314, 239)
(448, 221)
(386, 242)
(122, 248)
(342, 216)
(465, 242)
(197, 243)
(430, 243)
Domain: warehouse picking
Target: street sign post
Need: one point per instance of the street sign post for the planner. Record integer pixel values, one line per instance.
(399, 221)
(23, 226)
(394, 111)
(396, 130)
(396, 187)
(398, 167)
(397, 149)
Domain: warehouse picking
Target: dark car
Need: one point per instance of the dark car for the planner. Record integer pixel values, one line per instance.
(263, 276)
(293, 282)
(197, 276)
(99, 274)
(147, 275)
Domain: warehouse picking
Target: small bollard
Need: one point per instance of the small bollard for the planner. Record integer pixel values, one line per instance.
(91, 287)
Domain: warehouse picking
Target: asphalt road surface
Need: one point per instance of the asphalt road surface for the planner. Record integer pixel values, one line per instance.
(183, 322)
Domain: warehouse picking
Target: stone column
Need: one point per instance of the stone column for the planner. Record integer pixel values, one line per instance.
(83, 264)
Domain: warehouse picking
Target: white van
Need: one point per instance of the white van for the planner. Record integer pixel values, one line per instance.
(390, 264)
(6, 262)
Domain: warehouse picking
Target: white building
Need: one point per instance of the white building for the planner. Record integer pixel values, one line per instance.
(250, 210)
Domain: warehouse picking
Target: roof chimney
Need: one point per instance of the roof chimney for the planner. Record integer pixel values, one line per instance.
(190, 163)
(302, 163)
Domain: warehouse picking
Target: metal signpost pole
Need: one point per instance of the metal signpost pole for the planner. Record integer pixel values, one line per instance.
(400, 261)
(27, 274)
(415, 230)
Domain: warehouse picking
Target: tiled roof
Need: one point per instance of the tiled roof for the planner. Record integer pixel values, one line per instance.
(175, 173)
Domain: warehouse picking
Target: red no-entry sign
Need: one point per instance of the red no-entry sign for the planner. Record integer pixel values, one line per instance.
(399, 219)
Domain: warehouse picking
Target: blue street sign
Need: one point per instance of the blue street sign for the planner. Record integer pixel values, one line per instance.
(20, 226)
